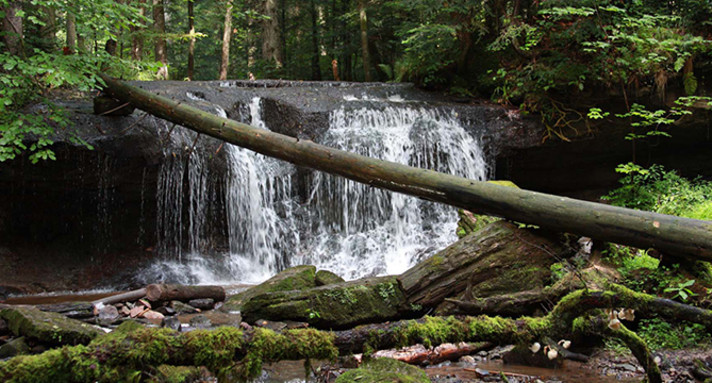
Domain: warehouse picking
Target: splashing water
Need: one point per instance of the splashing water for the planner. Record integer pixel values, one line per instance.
(352, 229)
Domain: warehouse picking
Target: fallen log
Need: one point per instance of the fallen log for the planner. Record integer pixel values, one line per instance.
(183, 293)
(422, 355)
(671, 235)
(128, 296)
(132, 351)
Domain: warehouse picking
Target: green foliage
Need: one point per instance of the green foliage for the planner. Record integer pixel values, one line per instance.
(682, 290)
(39, 69)
(659, 334)
(661, 191)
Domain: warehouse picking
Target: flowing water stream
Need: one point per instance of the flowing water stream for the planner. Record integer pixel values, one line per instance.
(349, 228)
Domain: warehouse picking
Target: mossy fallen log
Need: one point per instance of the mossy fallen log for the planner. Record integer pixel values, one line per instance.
(233, 354)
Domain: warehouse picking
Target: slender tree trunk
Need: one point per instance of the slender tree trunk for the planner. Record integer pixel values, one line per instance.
(363, 21)
(315, 69)
(227, 34)
(12, 28)
(674, 236)
(71, 32)
(271, 35)
(159, 27)
(283, 34)
(346, 54)
(137, 39)
(191, 46)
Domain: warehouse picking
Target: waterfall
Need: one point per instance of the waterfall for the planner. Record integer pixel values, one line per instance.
(352, 229)
(362, 230)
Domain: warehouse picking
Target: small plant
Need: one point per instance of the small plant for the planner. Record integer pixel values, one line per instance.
(682, 290)
(313, 314)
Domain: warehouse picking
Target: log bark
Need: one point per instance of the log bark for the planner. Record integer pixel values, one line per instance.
(164, 292)
(128, 296)
(226, 347)
(676, 236)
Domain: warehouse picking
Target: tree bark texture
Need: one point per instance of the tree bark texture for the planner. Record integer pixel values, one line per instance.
(136, 38)
(677, 236)
(315, 69)
(191, 46)
(71, 32)
(12, 28)
(159, 27)
(164, 292)
(271, 35)
(365, 54)
(227, 35)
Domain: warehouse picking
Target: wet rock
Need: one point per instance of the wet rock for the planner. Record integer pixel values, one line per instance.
(200, 322)
(183, 308)
(274, 326)
(171, 323)
(137, 311)
(15, 347)
(340, 305)
(166, 310)
(107, 106)
(467, 359)
(384, 370)
(153, 316)
(74, 310)
(291, 325)
(107, 315)
(293, 278)
(326, 277)
(203, 304)
(48, 327)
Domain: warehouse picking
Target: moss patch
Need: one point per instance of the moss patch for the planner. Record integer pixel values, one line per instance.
(293, 278)
(384, 370)
(47, 327)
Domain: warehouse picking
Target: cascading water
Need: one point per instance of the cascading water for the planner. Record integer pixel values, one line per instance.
(364, 230)
(352, 229)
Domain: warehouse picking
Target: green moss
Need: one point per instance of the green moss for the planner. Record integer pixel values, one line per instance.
(214, 349)
(48, 327)
(293, 278)
(384, 370)
(175, 374)
(267, 346)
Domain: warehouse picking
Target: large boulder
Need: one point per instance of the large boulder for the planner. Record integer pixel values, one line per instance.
(293, 278)
(48, 327)
(336, 306)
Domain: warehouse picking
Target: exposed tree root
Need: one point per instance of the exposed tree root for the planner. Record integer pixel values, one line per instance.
(235, 354)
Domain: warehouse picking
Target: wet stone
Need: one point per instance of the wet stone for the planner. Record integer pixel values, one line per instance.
(200, 322)
(172, 323)
(203, 304)
(107, 315)
(182, 308)
(165, 310)
(15, 347)
(274, 326)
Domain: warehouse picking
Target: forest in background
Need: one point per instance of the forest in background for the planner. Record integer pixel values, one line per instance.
(539, 56)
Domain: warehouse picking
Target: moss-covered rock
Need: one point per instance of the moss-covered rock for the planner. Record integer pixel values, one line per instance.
(15, 347)
(339, 305)
(47, 327)
(326, 277)
(384, 370)
(293, 278)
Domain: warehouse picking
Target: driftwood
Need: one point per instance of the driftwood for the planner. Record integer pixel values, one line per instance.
(422, 355)
(183, 293)
(682, 237)
(132, 352)
(128, 296)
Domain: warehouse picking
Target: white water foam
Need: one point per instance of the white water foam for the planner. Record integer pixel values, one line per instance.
(352, 229)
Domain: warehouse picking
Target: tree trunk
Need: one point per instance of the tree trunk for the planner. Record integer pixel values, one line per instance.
(227, 34)
(684, 237)
(191, 46)
(137, 39)
(12, 28)
(163, 292)
(363, 21)
(315, 69)
(159, 27)
(271, 35)
(71, 32)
